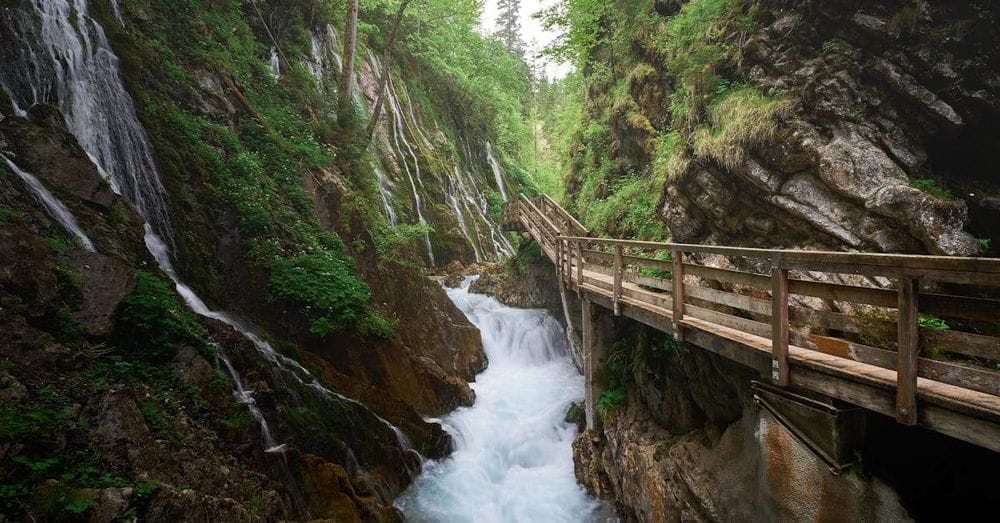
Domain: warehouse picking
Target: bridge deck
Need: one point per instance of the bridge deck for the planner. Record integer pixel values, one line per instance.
(841, 334)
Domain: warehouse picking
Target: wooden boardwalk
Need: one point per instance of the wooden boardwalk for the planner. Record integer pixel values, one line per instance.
(908, 336)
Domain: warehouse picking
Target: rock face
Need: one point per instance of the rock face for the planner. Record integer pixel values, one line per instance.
(889, 99)
(690, 443)
(691, 446)
(171, 427)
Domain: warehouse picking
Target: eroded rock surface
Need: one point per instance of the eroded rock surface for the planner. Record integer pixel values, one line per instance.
(877, 105)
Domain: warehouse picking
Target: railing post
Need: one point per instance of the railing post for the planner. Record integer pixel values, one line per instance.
(779, 323)
(677, 276)
(568, 267)
(906, 362)
(618, 279)
(559, 261)
(579, 265)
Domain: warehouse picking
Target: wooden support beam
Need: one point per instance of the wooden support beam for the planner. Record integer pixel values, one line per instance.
(589, 372)
(908, 341)
(579, 265)
(779, 324)
(678, 294)
(619, 270)
(559, 262)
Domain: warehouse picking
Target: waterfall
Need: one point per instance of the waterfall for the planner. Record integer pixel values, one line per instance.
(115, 10)
(66, 60)
(398, 135)
(52, 205)
(513, 459)
(385, 193)
(413, 118)
(453, 199)
(497, 172)
(287, 365)
(274, 63)
(245, 397)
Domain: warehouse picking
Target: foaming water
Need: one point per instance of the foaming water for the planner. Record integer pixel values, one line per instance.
(513, 459)
(52, 205)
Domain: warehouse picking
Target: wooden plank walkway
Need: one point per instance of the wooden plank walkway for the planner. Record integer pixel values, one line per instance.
(908, 336)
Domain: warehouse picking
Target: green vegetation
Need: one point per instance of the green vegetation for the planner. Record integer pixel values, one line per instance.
(634, 357)
(324, 285)
(152, 321)
(621, 134)
(933, 187)
(932, 322)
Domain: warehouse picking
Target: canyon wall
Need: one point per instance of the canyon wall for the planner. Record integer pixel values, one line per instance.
(208, 288)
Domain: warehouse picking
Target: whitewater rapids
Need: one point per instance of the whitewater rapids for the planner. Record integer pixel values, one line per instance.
(513, 459)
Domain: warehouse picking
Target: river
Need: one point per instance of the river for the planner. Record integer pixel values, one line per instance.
(513, 459)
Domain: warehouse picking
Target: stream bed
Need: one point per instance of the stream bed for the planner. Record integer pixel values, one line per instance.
(513, 459)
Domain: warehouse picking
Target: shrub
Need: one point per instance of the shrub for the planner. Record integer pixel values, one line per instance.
(325, 287)
(152, 321)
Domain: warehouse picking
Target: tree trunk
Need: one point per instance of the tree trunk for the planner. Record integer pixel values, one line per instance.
(383, 79)
(347, 73)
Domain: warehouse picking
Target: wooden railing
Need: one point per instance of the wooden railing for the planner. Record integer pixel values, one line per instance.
(905, 322)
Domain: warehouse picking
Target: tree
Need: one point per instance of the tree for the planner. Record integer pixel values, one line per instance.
(509, 25)
(350, 39)
(383, 80)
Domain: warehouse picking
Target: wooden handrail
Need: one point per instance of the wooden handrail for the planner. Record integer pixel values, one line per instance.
(837, 351)
(991, 266)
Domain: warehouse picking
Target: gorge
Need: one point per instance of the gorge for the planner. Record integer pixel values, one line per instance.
(231, 290)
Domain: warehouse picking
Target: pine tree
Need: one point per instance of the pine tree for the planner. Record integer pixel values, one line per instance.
(509, 25)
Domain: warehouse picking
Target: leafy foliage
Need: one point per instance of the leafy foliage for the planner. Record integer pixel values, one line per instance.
(152, 321)
(624, 135)
(325, 286)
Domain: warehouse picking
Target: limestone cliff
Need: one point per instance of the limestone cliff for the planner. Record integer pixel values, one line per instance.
(887, 146)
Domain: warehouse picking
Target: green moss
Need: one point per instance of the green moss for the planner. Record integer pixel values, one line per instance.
(10, 214)
(933, 187)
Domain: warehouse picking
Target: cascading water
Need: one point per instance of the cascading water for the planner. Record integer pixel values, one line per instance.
(453, 199)
(274, 63)
(66, 60)
(52, 205)
(385, 186)
(245, 397)
(497, 172)
(513, 458)
(81, 67)
(115, 10)
(398, 135)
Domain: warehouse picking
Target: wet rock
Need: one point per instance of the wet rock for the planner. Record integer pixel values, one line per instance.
(104, 283)
(577, 416)
(120, 426)
(191, 367)
(11, 390)
(331, 493)
(51, 153)
(170, 504)
(737, 464)
(109, 504)
(26, 270)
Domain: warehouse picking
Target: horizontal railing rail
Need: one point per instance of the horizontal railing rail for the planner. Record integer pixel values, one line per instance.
(923, 317)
